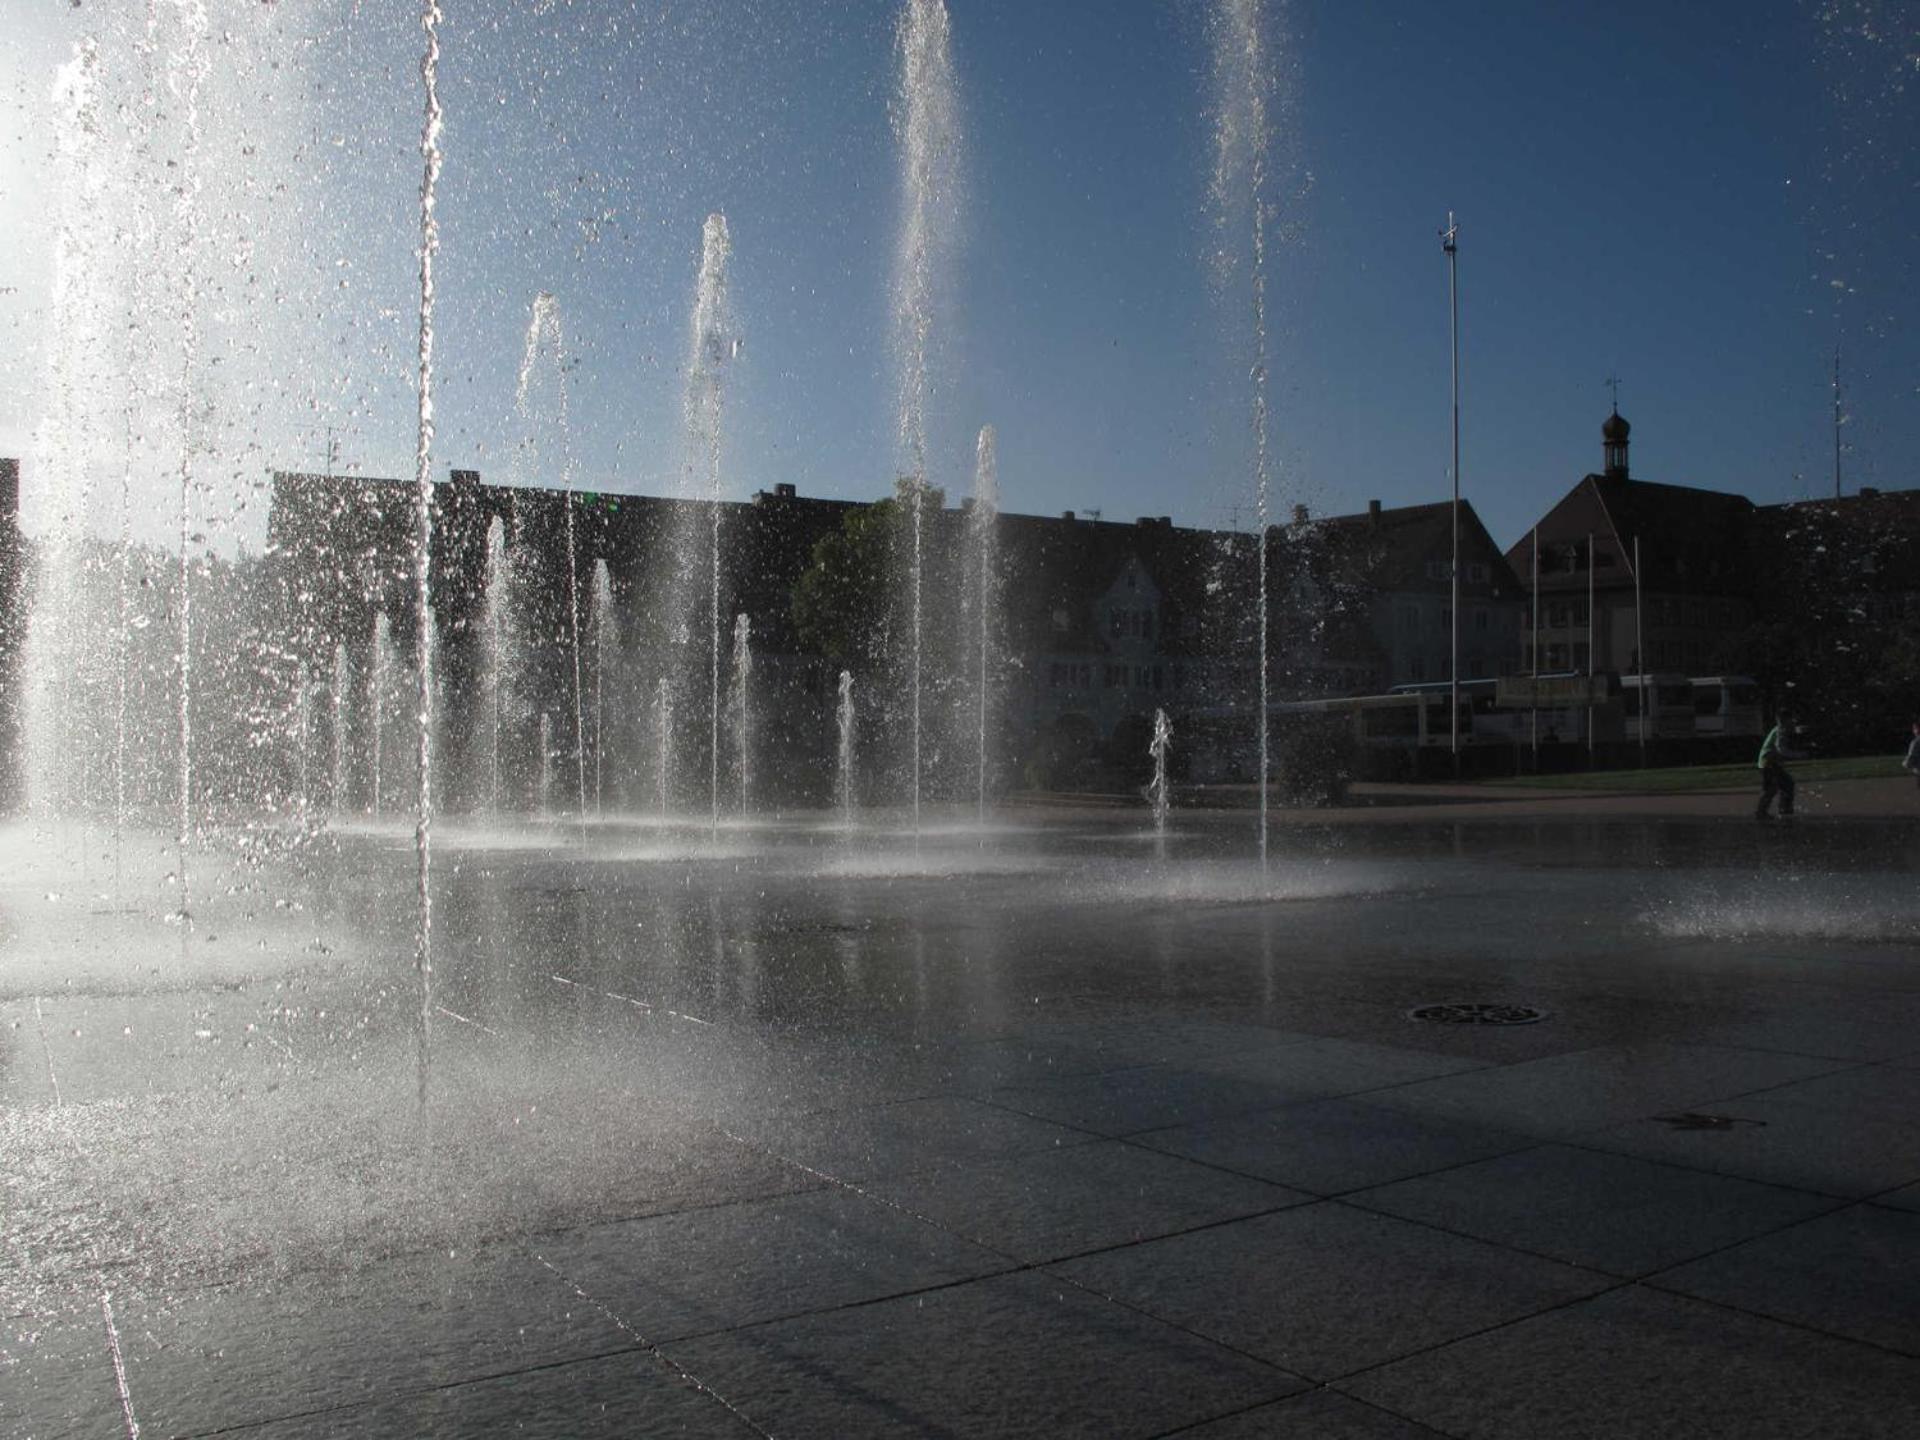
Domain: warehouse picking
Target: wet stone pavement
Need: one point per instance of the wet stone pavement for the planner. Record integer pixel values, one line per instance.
(778, 1131)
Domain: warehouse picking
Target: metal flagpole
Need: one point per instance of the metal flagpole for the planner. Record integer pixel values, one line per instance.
(1640, 654)
(1536, 647)
(1591, 618)
(1450, 243)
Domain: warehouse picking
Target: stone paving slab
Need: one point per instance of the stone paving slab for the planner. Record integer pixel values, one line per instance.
(1147, 1097)
(1607, 1212)
(1763, 1138)
(1086, 1197)
(1324, 1289)
(1565, 1094)
(1636, 1362)
(1016, 1355)
(1331, 1146)
(616, 1397)
(1854, 1273)
(1317, 1415)
(871, 1141)
(718, 1269)
(56, 1377)
(211, 1359)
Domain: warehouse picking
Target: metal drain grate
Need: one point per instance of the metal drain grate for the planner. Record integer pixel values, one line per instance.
(1477, 1012)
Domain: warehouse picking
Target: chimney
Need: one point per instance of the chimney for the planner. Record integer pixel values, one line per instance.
(1373, 512)
(1066, 514)
(467, 479)
(1166, 522)
(784, 491)
(1299, 514)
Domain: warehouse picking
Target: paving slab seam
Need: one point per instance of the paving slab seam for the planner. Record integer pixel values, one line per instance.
(114, 1357)
(247, 1426)
(1318, 1389)
(1652, 1281)
(652, 1348)
(1530, 1143)
(1587, 1147)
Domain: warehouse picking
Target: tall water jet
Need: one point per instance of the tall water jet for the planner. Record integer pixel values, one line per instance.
(926, 124)
(843, 721)
(423, 538)
(543, 797)
(1158, 795)
(545, 335)
(1244, 95)
(663, 744)
(495, 681)
(742, 675)
(713, 347)
(984, 593)
(194, 68)
(605, 642)
(379, 686)
(342, 681)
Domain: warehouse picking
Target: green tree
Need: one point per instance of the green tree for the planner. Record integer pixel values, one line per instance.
(846, 602)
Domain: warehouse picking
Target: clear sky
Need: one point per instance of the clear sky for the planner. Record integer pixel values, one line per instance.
(1700, 199)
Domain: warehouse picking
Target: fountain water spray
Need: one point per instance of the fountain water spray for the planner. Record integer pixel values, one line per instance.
(544, 784)
(982, 532)
(926, 123)
(742, 676)
(663, 740)
(543, 331)
(714, 347)
(1158, 795)
(423, 537)
(379, 684)
(844, 776)
(341, 680)
(1244, 86)
(495, 683)
(604, 643)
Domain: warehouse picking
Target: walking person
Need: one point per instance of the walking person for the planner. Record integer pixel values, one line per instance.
(1912, 763)
(1774, 778)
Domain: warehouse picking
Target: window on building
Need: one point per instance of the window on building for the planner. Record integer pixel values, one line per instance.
(1479, 619)
(1417, 668)
(1478, 571)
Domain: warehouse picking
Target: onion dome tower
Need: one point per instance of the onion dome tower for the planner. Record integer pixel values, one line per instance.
(1613, 438)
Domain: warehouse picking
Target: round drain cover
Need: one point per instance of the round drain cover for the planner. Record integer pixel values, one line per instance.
(1477, 1012)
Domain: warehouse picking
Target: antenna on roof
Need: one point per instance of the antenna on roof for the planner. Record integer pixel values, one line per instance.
(1093, 515)
(333, 452)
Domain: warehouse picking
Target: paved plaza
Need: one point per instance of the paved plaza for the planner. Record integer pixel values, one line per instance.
(1027, 1131)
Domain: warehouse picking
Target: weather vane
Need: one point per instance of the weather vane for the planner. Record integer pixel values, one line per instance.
(1613, 384)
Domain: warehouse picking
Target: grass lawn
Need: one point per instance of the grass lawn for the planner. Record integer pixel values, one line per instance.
(1708, 777)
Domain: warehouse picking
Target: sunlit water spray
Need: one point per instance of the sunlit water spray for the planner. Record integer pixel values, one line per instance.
(1158, 795)
(495, 683)
(742, 707)
(982, 533)
(713, 346)
(380, 687)
(843, 774)
(927, 129)
(342, 681)
(663, 744)
(1240, 189)
(545, 336)
(423, 542)
(605, 643)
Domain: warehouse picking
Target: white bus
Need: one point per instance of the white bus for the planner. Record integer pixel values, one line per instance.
(1669, 711)
(1726, 705)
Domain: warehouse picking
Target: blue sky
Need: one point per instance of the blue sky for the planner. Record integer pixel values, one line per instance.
(1669, 194)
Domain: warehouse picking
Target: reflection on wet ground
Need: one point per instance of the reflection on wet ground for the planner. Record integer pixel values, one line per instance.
(721, 1102)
